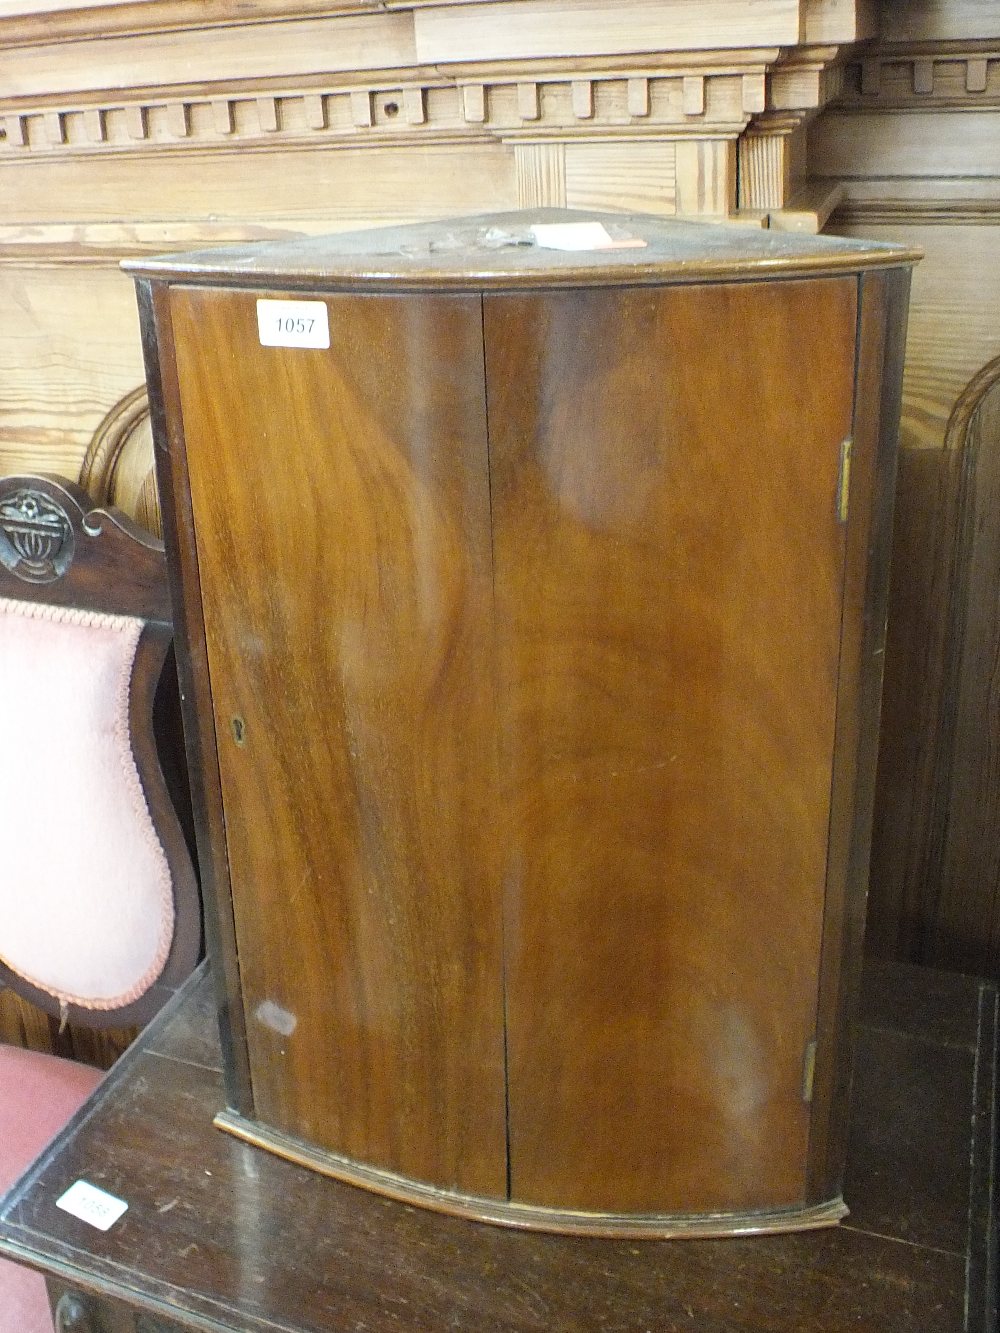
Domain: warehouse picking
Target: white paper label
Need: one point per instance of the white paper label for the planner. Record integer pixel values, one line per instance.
(581, 236)
(293, 324)
(92, 1205)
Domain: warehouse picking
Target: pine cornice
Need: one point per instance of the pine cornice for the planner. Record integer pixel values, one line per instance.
(923, 76)
(664, 99)
(30, 24)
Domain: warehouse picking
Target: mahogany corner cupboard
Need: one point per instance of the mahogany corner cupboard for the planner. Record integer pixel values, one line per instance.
(531, 609)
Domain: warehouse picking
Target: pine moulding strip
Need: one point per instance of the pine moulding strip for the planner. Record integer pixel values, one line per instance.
(949, 78)
(706, 103)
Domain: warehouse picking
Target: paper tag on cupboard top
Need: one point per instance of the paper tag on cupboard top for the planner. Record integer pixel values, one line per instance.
(293, 324)
(580, 236)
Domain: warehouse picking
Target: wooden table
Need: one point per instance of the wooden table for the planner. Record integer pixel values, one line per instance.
(219, 1235)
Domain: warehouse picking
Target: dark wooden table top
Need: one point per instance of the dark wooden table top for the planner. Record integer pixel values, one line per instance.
(219, 1235)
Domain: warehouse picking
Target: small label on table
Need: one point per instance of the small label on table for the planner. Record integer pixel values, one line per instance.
(581, 236)
(293, 324)
(92, 1205)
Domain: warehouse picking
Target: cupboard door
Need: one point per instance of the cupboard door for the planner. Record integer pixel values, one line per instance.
(341, 509)
(668, 580)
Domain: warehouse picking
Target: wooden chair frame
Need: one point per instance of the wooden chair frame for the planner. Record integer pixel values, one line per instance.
(57, 548)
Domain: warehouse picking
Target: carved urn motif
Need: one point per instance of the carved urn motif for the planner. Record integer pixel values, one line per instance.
(36, 537)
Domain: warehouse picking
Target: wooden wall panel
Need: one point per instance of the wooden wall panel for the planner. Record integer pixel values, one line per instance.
(939, 20)
(962, 925)
(269, 193)
(887, 144)
(953, 327)
(69, 345)
(520, 29)
(706, 178)
(640, 176)
(832, 21)
(915, 147)
(241, 52)
(68, 348)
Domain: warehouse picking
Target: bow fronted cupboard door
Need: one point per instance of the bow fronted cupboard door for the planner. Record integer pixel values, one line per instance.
(533, 630)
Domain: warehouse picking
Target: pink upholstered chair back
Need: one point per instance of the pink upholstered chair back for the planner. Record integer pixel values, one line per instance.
(99, 910)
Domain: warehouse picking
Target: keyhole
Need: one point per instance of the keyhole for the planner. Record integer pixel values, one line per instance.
(239, 731)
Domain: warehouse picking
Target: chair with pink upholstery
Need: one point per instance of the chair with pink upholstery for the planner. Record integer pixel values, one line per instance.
(99, 908)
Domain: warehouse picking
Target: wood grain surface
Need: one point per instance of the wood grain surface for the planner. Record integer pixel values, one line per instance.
(963, 929)
(504, 31)
(501, 250)
(193, 681)
(341, 504)
(924, 782)
(25, 1024)
(914, 143)
(140, 127)
(542, 639)
(669, 574)
(881, 340)
(905, 829)
(222, 1236)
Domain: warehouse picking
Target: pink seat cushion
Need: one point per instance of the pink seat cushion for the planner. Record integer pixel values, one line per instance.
(86, 905)
(24, 1302)
(38, 1094)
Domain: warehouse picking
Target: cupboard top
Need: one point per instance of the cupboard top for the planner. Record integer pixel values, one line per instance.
(503, 250)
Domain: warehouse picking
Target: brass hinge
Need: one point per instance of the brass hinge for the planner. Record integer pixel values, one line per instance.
(808, 1071)
(844, 480)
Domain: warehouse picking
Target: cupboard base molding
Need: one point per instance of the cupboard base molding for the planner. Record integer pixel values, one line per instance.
(561, 1221)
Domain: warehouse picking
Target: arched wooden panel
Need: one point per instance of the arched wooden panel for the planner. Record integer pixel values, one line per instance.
(962, 909)
(118, 467)
(938, 902)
